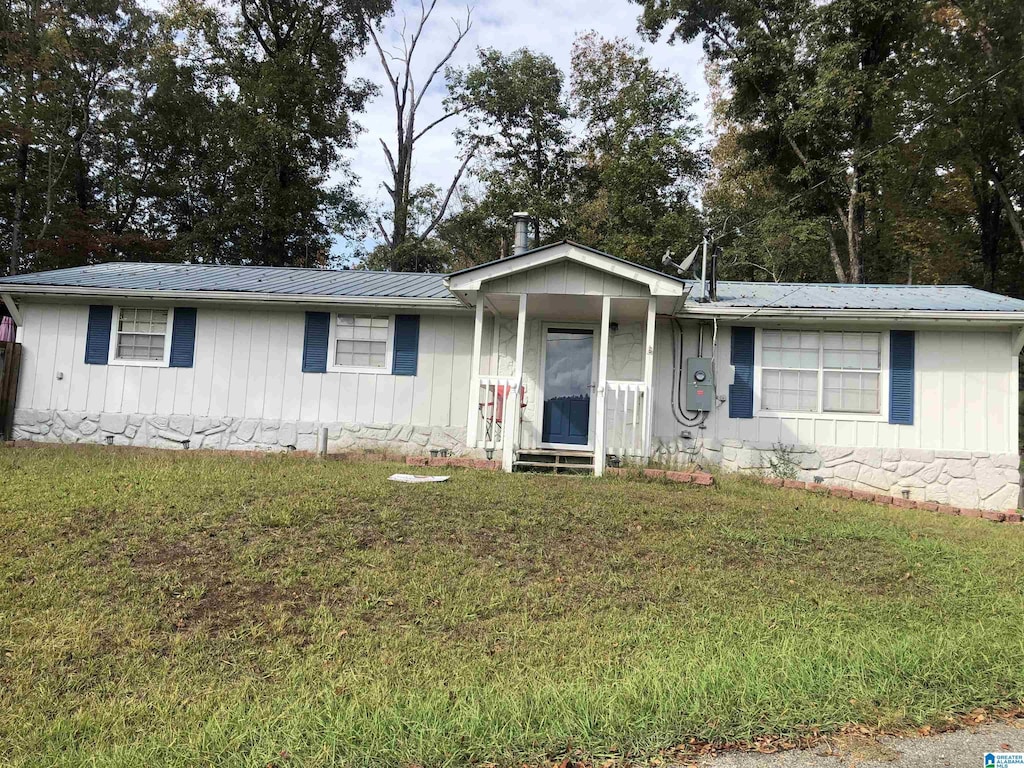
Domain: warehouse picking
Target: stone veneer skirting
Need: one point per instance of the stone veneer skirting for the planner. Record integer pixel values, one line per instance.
(959, 478)
(145, 430)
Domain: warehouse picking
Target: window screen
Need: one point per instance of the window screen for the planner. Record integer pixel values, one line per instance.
(141, 334)
(789, 370)
(852, 369)
(361, 341)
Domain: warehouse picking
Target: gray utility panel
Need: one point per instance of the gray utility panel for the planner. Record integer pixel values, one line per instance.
(700, 384)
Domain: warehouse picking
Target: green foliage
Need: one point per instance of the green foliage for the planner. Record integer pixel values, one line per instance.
(637, 167)
(195, 135)
(180, 609)
(626, 184)
(517, 117)
(864, 141)
(781, 463)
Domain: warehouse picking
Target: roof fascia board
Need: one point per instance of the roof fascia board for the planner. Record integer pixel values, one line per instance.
(236, 296)
(793, 313)
(473, 280)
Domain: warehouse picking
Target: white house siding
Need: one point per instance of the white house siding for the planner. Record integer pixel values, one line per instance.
(246, 389)
(567, 278)
(961, 449)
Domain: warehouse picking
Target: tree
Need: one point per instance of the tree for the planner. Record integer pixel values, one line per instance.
(71, 86)
(517, 116)
(971, 85)
(403, 244)
(775, 243)
(812, 85)
(277, 73)
(637, 169)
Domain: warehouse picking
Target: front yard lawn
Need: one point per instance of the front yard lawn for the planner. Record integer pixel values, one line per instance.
(176, 609)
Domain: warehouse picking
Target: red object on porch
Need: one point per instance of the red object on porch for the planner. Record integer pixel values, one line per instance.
(6, 328)
(501, 390)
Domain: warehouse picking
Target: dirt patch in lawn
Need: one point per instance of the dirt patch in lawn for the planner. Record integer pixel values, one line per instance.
(200, 593)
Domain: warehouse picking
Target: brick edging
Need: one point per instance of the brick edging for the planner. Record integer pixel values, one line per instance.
(696, 478)
(457, 461)
(896, 502)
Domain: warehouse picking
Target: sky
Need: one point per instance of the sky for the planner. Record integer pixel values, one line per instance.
(543, 27)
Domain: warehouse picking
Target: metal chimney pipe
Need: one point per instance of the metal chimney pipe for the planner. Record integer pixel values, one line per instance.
(521, 222)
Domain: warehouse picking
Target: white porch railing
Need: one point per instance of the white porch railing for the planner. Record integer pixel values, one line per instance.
(625, 418)
(498, 399)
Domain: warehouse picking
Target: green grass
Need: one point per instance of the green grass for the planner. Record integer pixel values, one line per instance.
(173, 609)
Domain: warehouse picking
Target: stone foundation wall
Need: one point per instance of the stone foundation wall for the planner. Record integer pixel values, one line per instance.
(229, 433)
(959, 478)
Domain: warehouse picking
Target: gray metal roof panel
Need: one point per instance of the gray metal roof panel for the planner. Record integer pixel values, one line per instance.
(838, 296)
(292, 281)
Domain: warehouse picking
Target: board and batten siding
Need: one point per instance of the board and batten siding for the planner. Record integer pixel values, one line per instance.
(965, 398)
(248, 364)
(566, 277)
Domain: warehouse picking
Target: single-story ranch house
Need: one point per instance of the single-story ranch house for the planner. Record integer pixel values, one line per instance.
(556, 355)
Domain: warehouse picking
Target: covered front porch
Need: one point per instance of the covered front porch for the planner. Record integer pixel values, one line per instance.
(563, 357)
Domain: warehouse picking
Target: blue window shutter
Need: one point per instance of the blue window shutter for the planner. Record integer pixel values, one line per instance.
(183, 337)
(741, 391)
(901, 377)
(407, 345)
(314, 346)
(97, 337)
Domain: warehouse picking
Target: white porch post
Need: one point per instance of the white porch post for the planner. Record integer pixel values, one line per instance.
(602, 382)
(474, 375)
(648, 425)
(510, 426)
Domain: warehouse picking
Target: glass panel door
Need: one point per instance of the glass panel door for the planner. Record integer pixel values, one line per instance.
(568, 377)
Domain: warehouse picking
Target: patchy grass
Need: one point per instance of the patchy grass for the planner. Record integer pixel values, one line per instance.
(173, 609)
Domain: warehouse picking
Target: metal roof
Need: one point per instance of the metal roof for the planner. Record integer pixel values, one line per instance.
(839, 296)
(396, 286)
(287, 281)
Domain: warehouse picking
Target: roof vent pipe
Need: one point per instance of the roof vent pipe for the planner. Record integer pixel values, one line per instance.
(521, 222)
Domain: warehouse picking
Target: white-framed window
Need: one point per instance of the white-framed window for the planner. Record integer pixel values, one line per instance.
(852, 372)
(362, 342)
(821, 371)
(141, 335)
(789, 370)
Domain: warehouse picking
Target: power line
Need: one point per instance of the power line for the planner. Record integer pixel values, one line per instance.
(917, 126)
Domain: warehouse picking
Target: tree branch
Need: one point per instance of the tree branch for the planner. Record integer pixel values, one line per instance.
(439, 120)
(461, 33)
(447, 198)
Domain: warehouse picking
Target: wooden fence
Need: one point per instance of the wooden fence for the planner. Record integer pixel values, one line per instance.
(10, 364)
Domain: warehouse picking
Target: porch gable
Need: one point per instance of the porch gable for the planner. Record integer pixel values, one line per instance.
(564, 268)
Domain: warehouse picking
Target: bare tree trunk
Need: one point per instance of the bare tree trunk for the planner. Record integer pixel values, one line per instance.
(855, 230)
(833, 252)
(990, 210)
(407, 98)
(20, 184)
(1011, 212)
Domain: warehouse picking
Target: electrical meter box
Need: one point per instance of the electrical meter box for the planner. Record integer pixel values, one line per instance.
(700, 384)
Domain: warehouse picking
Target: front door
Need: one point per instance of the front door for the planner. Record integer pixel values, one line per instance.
(568, 380)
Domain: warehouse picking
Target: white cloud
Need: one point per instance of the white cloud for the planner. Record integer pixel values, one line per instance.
(544, 27)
